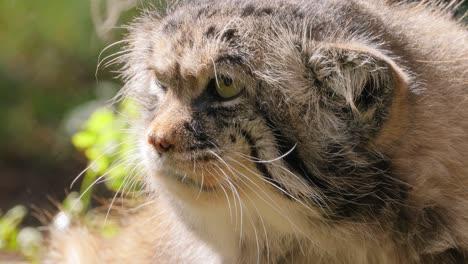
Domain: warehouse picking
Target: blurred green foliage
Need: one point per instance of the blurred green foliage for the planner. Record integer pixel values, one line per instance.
(48, 88)
(47, 59)
(108, 147)
(9, 227)
(26, 240)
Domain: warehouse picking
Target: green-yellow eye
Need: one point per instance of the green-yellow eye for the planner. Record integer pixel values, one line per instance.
(227, 88)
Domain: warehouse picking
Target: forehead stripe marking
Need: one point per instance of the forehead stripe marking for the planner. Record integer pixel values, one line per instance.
(231, 59)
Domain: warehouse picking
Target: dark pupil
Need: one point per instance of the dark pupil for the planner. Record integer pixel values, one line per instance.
(227, 81)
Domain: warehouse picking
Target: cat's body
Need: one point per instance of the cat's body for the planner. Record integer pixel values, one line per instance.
(344, 140)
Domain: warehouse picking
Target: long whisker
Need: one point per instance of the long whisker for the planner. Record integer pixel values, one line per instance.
(311, 192)
(261, 177)
(220, 184)
(98, 179)
(106, 48)
(94, 163)
(236, 195)
(275, 159)
(274, 207)
(262, 222)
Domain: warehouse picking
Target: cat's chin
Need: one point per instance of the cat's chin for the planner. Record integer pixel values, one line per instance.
(173, 181)
(187, 182)
(184, 190)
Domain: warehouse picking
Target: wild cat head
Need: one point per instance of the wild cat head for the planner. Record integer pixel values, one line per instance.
(263, 99)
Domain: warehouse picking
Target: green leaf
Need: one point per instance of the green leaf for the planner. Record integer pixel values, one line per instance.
(84, 139)
(100, 120)
(104, 145)
(9, 226)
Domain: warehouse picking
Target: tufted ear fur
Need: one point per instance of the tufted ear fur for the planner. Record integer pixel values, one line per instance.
(368, 86)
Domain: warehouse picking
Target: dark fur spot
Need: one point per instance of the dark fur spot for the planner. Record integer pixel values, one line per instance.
(222, 112)
(210, 32)
(248, 10)
(228, 35)
(456, 256)
(207, 158)
(200, 146)
(449, 256)
(177, 68)
(202, 11)
(197, 131)
(232, 59)
(233, 138)
(253, 152)
(298, 13)
(265, 11)
(171, 26)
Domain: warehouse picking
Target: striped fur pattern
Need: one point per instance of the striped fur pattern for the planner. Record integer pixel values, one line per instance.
(346, 144)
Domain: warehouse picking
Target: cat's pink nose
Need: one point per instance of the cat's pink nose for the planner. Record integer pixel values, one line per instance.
(161, 144)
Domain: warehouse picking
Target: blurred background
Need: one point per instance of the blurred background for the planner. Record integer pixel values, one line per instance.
(49, 87)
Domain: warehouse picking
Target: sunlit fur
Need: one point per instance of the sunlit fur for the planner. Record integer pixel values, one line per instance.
(347, 144)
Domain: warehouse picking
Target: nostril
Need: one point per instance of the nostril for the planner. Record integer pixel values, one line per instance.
(161, 144)
(164, 143)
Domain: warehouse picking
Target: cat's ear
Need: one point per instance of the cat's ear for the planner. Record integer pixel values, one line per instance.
(366, 81)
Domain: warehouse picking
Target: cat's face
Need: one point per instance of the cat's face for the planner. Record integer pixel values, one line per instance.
(234, 104)
(204, 132)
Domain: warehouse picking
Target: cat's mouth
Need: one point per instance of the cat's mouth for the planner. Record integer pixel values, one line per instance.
(206, 171)
(223, 174)
(201, 172)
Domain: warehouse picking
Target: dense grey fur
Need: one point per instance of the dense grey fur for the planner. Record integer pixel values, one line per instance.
(352, 120)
